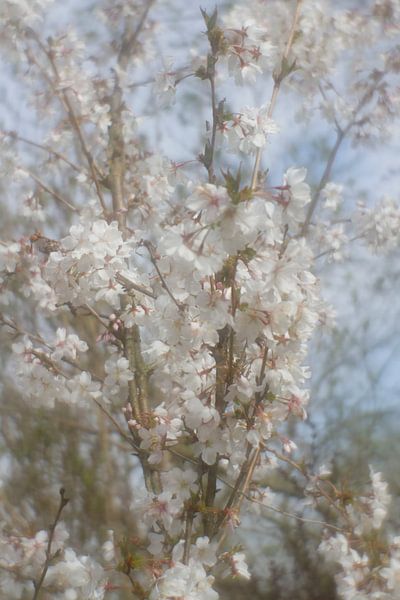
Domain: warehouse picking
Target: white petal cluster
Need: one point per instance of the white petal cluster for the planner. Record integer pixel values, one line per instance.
(165, 86)
(299, 195)
(352, 583)
(371, 510)
(84, 269)
(42, 372)
(9, 256)
(391, 573)
(249, 129)
(69, 576)
(332, 194)
(67, 346)
(332, 240)
(22, 12)
(76, 577)
(204, 295)
(239, 565)
(210, 201)
(182, 482)
(250, 52)
(380, 226)
(360, 575)
(185, 581)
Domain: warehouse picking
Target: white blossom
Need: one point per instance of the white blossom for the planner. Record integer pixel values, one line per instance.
(332, 193)
(248, 131)
(197, 294)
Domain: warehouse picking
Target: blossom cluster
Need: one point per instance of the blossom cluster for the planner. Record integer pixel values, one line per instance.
(359, 574)
(379, 226)
(69, 576)
(203, 296)
(221, 271)
(248, 131)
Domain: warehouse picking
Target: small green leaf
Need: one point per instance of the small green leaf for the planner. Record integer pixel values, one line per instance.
(212, 21)
(286, 69)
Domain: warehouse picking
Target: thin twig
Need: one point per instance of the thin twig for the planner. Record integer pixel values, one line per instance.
(116, 144)
(248, 466)
(293, 515)
(161, 276)
(138, 387)
(17, 329)
(212, 58)
(340, 136)
(50, 191)
(40, 340)
(130, 285)
(130, 37)
(210, 168)
(330, 250)
(97, 316)
(245, 495)
(45, 148)
(115, 423)
(341, 133)
(287, 460)
(277, 84)
(188, 536)
(49, 556)
(65, 101)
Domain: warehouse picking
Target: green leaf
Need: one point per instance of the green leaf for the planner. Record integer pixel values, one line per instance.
(286, 69)
(210, 21)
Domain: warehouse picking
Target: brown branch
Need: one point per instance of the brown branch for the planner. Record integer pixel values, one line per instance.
(340, 136)
(130, 285)
(97, 316)
(116, 156)
(220, 357)
(215, 38)
(130, 37)
(246, 472)
(116, 143)
(245, 495)
(13, 135)
(115, 424)
(188, 535)
(235, 488)
(138, 387)
(147, 245)
(324, 178)
(66, 103)
(293, 515)
(50, 191)
(210, 168)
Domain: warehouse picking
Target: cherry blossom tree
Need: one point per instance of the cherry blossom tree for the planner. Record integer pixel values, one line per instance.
(178, 298)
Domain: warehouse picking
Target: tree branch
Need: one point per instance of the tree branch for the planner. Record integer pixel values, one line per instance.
(20, 138)
(340, 136)
(65, 101)
(49, 556)
(277, 85)
(50, 191)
